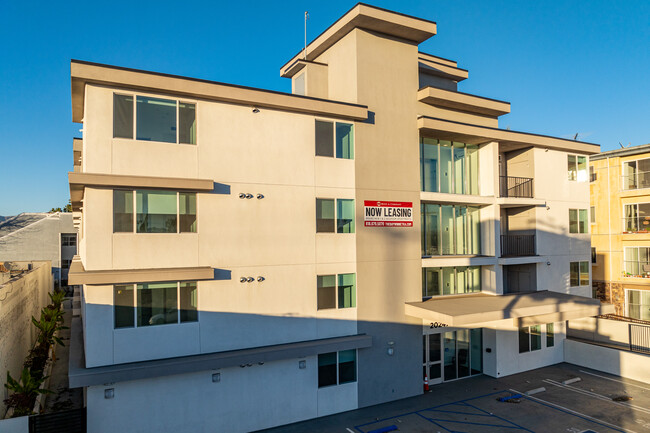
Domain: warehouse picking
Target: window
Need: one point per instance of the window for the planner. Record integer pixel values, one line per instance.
(450, 230)
(577, 220)
(154, 119)
(150, 304)
(65, 263)
(636, 174)
(449, 167)
(450, 281)
(68, 239)
(638, 304)
(335, 138)
(592, 174)
(579, 274)
(337, 368)
(636, 262)
(550, 335)
(593, 255)
(530, 338)
(329, 285)
(592, 214)
(577, 167)
(156, 211)
(327, 214)
(637, 218)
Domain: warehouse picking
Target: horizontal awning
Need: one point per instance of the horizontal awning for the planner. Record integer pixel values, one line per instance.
(524, 309)
(79, 275)
(475, 134)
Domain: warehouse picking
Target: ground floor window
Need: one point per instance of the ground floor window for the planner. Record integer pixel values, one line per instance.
(337, 368)
(452, 355)
(638, 304)
(149, 304)
(530, 337)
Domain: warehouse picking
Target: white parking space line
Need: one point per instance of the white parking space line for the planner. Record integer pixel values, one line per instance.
(614, 380)
(598, 396)
(576, 413)
(349, 430)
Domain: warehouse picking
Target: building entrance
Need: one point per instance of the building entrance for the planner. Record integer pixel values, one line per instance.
(452, 354)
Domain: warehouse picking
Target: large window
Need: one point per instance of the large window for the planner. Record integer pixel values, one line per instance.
(450, 230)
(450, 281)
(636, 174)
(335, 138)
(637, 262)
(154, 119)
(579, 274)
(156, 211)
(337, 368)
(577, 168)
(150, 304)
(637, 217)
(449, 167)
(336, 290)
(638, 304)
(68, 239)
(530, 338)
(578, 221)
(331, 218)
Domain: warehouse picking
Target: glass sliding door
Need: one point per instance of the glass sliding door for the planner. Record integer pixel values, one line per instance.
(446, 166)
(472, 169)
(450, 355)
(473, 231)
(429, 164)
(476, 351)
(459, 168)
(447, 229)
(432, 361)
(462, 344)
(461, 229)
(430, 229)
(448, 281)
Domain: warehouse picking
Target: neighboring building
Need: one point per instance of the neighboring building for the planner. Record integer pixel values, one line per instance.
(620, 225)
(40, 236)
(251, 258)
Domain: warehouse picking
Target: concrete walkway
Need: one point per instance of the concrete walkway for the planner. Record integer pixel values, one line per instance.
(63, 398)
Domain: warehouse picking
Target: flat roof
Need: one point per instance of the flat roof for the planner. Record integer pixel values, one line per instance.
(83, 73)
(627, 151)
(367, 17)
(524, 309)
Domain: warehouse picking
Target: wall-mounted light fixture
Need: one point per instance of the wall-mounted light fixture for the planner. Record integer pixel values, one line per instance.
(260, 196)
(249, 196)
(256, 110)
(242, 280)
(391, 348)
(216, 377)
(242, 195)
(548, 263)
(302, 364)
(109, 393)
(250, 279)
(260, 279)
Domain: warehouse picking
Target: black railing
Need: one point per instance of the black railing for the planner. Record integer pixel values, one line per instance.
(517, 245)
(639, 338)
(510, 186)
(69, 421)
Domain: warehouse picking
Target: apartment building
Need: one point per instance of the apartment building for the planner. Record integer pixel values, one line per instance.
(252, 258)
(620, 225)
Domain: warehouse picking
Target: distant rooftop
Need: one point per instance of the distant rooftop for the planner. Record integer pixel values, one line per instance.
(627, 151)
(18, 222)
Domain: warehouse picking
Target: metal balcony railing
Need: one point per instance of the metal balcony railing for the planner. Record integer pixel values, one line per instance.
(510, 186)
(636, 268)
(517, 245)
(635, 180)
(638, 224)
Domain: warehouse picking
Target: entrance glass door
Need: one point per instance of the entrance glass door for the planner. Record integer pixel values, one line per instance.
(431, 358)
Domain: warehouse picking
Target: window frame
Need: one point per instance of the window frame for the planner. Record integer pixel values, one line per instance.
(134, 212)
(134, 133)
(640, 304)
(471, 185)
(337, 294)
(468, 230)
(338, 368)
(464, 269)
(585, 224)
(580, 275)
(134, 306)
(65, 240)
(336, 216)
(637, 172)
(639, 263)
(334, 125)
(529, 334)
(577, 177)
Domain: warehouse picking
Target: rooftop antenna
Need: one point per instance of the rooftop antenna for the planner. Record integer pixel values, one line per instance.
(306, 18)
(575, 137)
(621, 144)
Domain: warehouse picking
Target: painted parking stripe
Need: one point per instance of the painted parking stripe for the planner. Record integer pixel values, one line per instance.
(598, 396)
(615, 380)
(578, 414)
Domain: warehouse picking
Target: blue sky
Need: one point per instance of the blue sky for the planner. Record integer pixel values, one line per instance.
(566, 67)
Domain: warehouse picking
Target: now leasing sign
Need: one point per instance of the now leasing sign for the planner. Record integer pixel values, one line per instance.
(387, 213)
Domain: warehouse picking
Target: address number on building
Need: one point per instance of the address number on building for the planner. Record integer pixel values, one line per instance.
(434, 325)
(387, 213)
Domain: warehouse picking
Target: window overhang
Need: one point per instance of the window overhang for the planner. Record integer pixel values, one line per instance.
(79, 181)
(463, 102)
(523, 309)
(475, 134)
(79, 275)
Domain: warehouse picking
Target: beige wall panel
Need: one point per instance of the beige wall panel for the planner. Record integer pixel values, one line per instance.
(488, 169)
(456, 116)
(334, 172)
(520, 163)
(98, 210)
(335, 247)
(155, 250)
(145, 158)
(316, 81)
(342, 70)
(278, 229)
(98, 132)
(269, 147)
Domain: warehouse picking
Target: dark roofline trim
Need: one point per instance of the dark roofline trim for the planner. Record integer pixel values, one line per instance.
(347, 12)
(642, 148)
(200, 80)
(509, 130)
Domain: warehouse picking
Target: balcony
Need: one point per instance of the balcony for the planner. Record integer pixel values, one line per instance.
(518, 187)
(517, 245)
(636, 268)
(638, 224)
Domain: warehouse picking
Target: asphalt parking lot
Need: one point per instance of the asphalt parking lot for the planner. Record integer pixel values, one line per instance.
(559, 398)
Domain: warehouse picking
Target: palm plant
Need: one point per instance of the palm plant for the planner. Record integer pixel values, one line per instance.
(24, 392)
